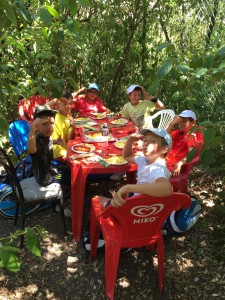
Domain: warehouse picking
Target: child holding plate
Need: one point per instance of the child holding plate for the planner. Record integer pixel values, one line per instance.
(89, 103)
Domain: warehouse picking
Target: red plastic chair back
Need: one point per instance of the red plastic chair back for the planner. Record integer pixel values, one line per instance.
(26, 107)
(137, 223)
(142, 217)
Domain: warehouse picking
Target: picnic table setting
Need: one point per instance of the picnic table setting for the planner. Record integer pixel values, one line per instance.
(92, 152)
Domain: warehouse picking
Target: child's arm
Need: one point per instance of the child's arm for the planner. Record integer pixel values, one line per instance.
(127, 150)
(31, 144)
(158, 104)
(160, 188)
(81, 90)
(179, 164)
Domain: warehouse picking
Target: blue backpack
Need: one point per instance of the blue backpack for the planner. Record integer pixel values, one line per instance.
(183, 220)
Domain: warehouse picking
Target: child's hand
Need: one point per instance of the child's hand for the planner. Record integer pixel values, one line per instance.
(60, 141)
(134, 137)
(36, 123)
(118, 200)
(177, 168)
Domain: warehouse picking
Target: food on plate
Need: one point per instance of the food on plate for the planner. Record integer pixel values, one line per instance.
(83, 148)
(81, 119)
(94, 135)
(120, 121)
(120, 144)
(99, 115)
(116, 160)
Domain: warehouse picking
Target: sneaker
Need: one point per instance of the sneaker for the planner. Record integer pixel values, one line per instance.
(117, 176)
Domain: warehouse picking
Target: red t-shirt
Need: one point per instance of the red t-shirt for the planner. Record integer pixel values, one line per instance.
(85, 107)
(181, 142)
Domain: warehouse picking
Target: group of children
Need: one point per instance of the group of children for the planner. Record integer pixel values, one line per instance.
(164, 151)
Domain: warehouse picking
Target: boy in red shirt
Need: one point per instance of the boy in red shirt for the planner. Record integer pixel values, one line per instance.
(89, 103)
(183, 140)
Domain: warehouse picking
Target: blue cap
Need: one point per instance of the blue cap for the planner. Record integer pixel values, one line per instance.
(94, 86)
(160, 132)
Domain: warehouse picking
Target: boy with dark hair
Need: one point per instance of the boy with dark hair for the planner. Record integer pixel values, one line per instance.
(40, 147)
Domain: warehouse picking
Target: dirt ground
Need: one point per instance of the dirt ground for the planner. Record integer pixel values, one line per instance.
(194, 262)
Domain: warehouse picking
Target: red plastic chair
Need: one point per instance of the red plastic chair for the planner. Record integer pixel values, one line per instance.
(26, 107)
(179, 183)
(138, 223)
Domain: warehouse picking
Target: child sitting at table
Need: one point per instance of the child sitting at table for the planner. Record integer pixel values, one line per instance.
(183, 140)
(152, 174)
(90, 102)
(64, 125)
(136, 109)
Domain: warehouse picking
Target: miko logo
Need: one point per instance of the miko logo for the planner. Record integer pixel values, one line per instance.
(146, 213)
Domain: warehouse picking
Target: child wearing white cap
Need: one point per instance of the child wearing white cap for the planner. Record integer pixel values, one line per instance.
(183, 140)
(152, 174)
(135, 110)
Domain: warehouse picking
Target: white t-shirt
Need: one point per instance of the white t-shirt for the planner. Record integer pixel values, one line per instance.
(148, 173)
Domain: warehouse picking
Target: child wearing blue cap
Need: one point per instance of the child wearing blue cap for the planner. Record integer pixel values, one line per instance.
(90, 102)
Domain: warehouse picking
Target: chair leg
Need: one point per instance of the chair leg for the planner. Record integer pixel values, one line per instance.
(94, 236)
(112, 255)
(16, 214)
(63, 216)
(23, 216)
(160, 255)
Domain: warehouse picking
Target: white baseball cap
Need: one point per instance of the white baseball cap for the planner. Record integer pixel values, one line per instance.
(132, 87)
(160, 132)
(188, 114)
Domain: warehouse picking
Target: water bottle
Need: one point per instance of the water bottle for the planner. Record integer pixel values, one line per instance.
(105, 133)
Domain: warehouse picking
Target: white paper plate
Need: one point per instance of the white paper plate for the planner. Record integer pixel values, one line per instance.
(81, 120)
(78, 148)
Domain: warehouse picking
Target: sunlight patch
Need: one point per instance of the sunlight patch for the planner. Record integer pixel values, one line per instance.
(209, 203)
(124, 282)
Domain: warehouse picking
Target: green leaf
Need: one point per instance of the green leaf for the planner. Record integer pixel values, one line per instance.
(25, 13)
(222, 64)
(207, 123)
(53, 12)
(206, 157)
(8, 9)
(32, 241)
(221, 51)
(175, 95)
(73, 7)
(84, 3)
(201, 71)
(45, 16)
(209, 135)
(153, 87)
(41, 91)
(218, 74)
(4, 126)
(164, 45)
(183, 68)
(9, 259)
(191, 154)
(164, 69)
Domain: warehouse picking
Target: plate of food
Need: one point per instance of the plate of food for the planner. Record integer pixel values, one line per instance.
(83, 148)
(119, 122)
(116, 160)
(96, 136)
(81, 120)
(98, 116)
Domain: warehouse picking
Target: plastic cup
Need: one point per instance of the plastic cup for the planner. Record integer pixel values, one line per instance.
(105, 142)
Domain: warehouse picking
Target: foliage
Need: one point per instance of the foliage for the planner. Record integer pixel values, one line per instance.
(9, 250)
(50, 45)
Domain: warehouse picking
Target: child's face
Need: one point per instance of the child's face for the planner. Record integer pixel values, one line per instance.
(64, 106)
(46, 126)
(92, 94)
(135, 97)
(185, 124)
(152, 146)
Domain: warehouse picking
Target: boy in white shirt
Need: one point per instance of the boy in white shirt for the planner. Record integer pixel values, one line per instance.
(152, 175)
